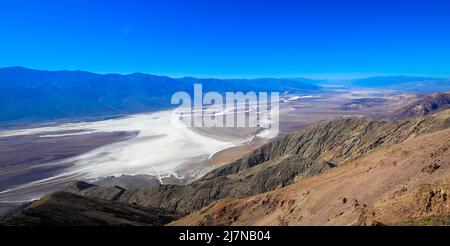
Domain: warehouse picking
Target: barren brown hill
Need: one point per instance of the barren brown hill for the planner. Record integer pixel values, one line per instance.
(399, 184)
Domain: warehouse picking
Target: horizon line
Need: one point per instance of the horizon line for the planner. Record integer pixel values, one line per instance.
(318, 77)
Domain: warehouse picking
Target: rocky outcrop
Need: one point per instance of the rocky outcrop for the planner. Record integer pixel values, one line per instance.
(68, 209)
(191, 197)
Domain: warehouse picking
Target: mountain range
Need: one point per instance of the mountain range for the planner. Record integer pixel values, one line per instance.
(35, 96)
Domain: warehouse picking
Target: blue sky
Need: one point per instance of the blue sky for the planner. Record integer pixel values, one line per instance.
(229, 38)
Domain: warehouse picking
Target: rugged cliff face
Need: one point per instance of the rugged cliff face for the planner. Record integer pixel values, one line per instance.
(428, 104)
(424, 105)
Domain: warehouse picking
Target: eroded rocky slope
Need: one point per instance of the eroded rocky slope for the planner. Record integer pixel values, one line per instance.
(424, 105)
(290, 158)
(404, 183)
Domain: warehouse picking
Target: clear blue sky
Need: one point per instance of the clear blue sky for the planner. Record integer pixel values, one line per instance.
(229, 38)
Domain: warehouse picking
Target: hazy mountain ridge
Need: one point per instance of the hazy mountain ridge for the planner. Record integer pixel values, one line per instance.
(32, 96)
(405, 83)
